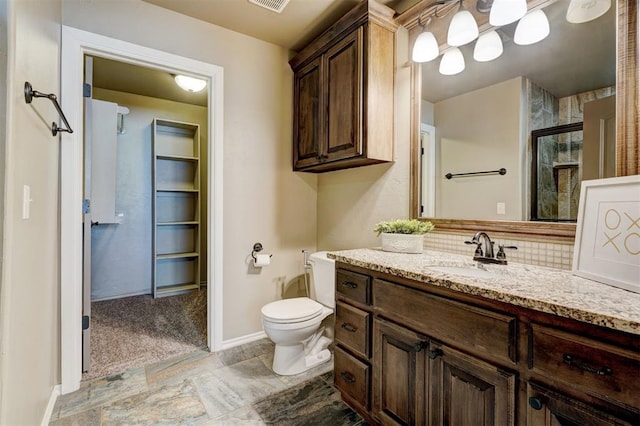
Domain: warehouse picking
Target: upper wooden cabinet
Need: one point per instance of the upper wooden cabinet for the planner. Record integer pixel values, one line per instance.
(344, 93)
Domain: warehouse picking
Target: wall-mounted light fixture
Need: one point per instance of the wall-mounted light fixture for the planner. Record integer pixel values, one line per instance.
(463, 28)
(190, 84)
(504, 12)
(532, 28)
(580, 11)
(488, 47)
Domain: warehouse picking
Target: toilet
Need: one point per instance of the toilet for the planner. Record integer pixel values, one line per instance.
(294, 325)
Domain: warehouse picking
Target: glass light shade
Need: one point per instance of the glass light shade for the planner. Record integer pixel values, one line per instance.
(190, 84)
(452, 62)
(580, 11)
(463, 29)
(504, 12)
(532, 28)
(488, 47)
(425, 48)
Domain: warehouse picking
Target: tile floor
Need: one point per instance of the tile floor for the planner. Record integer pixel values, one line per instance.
(231, 387)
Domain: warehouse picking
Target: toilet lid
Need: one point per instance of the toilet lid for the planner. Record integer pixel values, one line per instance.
(291, 310)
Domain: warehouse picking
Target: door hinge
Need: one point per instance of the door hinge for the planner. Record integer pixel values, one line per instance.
(421, 209)
(421, 151)
(85, 322)
(86, 90)
(86, 206)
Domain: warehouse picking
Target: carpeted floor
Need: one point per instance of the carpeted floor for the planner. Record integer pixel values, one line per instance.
(140, 330)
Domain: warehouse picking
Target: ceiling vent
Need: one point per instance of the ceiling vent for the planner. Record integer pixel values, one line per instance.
(272, 5)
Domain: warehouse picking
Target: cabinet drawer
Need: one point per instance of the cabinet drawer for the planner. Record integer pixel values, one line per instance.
(352, 328)
(354, 286)
(607, 371)
(351, 377)
(477, 330)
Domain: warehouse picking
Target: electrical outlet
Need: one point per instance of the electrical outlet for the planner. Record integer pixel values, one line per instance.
(501, 208)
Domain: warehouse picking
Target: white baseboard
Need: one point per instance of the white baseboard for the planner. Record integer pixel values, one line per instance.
(226, 344)
(55, 393)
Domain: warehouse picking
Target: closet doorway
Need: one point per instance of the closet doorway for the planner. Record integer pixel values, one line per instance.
(144, 217)
(76, 44)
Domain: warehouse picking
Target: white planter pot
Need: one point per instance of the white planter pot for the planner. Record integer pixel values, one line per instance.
(402, 243)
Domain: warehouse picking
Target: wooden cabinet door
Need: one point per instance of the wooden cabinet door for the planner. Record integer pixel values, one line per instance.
(467, 391)
(343, 76)
(399, 378)
(308, 115)
(549, 408)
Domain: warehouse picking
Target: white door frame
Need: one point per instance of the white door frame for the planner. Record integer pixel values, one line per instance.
(75, 44)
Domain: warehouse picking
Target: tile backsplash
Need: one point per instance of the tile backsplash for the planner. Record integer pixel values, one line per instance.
(552, 255)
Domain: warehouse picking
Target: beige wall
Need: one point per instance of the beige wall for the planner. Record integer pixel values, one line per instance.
(473, 134)
(263, 200)
(351, 202)
(29, 314)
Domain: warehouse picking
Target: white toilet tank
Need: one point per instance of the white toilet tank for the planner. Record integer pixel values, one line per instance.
(323, 271)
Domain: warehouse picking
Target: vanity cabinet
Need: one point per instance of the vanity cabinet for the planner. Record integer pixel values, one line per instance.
(344, 93)
(420, 354)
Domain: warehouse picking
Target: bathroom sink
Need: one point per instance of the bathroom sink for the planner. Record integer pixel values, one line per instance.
(467, 271)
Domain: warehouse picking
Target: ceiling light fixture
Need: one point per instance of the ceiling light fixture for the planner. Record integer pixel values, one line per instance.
(425, 48)
(488, 47)
(580, 11)
(504, 12)
(463, 28)
(452, 62)
(190, 84)
(532, 28)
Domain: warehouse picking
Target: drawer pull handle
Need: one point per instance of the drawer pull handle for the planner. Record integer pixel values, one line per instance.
(349, 284)
(348, 377)
(435, 353)
(348, 327)
(535, 403)
(569, 360)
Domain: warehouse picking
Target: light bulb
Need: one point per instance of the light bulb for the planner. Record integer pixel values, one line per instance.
(463, 29)
(452, 62)
(532, 28)
(488, 47)
(504, 12)
(425, 48)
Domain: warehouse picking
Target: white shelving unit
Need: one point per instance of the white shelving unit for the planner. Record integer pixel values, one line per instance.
(176, 207)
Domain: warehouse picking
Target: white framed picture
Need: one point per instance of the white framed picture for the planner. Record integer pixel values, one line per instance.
(607, 245)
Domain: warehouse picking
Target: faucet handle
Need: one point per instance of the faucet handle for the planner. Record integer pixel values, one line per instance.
(501, 248)
(478, 245)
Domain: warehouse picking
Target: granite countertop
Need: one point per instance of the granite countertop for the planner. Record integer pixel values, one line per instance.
(547, 290)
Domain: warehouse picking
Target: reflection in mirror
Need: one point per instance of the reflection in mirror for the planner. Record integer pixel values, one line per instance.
(483, 119)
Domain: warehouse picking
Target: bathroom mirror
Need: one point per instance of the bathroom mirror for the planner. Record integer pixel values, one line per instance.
(625, 124)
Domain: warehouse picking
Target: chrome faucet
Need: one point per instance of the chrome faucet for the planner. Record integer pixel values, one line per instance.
(484, 249)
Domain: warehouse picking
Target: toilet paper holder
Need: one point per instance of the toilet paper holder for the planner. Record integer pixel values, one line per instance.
(257, 248)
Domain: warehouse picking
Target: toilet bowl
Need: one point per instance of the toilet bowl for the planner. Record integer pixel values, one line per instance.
(294, 325)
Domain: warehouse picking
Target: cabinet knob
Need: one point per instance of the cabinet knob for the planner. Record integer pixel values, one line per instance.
(535, 403)
(348, 284)
(348, 327)
(420, 346)
(435, 353)
(347, 377)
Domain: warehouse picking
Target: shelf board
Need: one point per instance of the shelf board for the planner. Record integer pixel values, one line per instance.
(176, 288)
(176, 157)
(176, 255)
(177, 190)
(186, 222)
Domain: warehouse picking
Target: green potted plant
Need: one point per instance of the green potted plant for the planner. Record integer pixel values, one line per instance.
(403, 235)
